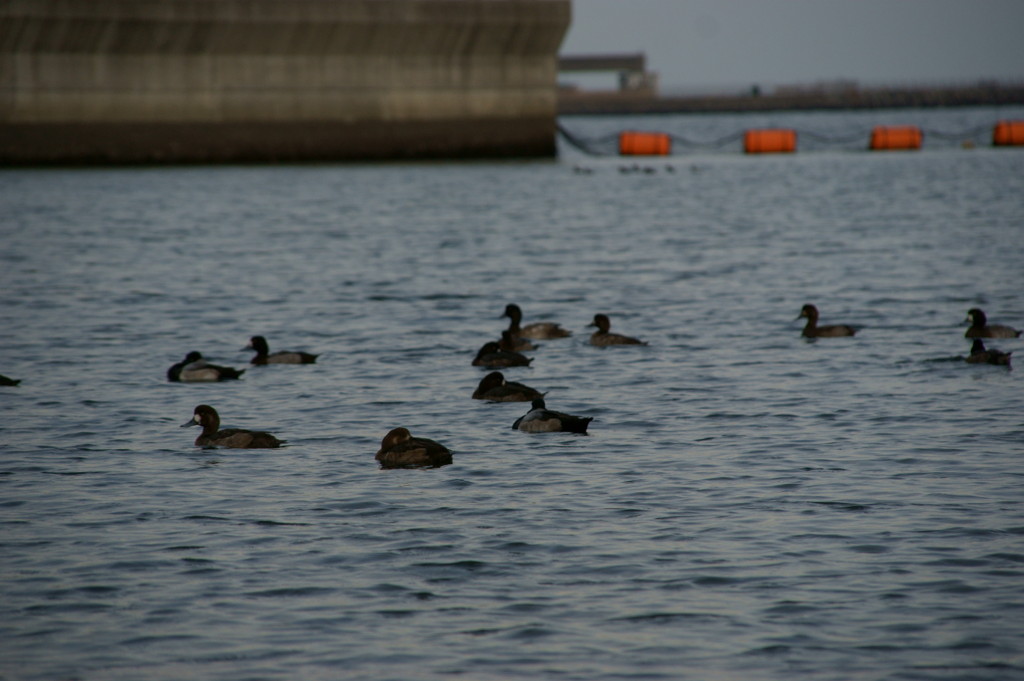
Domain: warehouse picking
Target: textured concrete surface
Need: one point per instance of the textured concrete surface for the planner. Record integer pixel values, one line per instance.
(92, 81)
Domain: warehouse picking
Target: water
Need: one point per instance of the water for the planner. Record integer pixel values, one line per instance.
(749, 505)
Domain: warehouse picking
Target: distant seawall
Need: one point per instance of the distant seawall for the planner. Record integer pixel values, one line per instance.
(212, 81)
(614, 103)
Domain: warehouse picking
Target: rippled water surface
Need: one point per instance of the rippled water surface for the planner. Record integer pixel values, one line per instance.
(748, 505)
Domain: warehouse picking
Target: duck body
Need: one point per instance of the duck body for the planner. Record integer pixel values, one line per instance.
(399, 449)
(9, 381)
(812, 330)
(491, 356)
(981, 355)
(980, 328)
(603, 337)
(494, 388)
(264, 356)
(540, 419)
(234, 438)
(534, 331)
(195, 369)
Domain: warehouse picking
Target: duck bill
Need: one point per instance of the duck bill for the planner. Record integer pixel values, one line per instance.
(190, 422)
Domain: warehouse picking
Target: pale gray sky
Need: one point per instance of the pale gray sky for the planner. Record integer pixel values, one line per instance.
(698, 44)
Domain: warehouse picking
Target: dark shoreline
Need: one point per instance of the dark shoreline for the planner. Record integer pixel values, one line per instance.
(593, 103)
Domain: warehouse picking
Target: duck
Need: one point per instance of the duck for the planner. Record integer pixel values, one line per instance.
(494, 388)
(195, 369)
(536, 330)
(542, 420)
(399, 449)
(235, 438)
(812, 330)
(9, 381)
(980, 328)
(602, 337)
(264, 356)
(979, 355)
(491, 356)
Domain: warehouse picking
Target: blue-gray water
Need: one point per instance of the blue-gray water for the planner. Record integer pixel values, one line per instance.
(748, 505)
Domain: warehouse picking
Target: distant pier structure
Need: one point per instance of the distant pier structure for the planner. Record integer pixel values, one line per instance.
(633, 76)
(214, 81)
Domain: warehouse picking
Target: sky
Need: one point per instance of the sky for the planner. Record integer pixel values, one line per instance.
(710, 44)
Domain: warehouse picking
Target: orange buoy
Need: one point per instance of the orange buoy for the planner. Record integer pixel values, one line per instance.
(885, 138)
(635, 143)
(769, 141)
(1008, 134)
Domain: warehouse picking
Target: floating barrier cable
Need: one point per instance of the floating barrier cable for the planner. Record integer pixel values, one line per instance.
(832, 139)
(966, 134)
(586, 146)
(774, 140)
(712, 144)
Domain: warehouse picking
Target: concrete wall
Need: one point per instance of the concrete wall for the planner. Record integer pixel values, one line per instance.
(257, 80)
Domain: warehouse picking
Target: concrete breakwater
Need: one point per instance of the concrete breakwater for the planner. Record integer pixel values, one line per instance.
(144, 81)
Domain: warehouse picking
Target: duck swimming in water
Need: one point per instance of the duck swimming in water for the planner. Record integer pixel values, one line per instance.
(979, 355)
(980, 328)
(399, 449)
(491, 356)
(540, 419)
(195, 369)
(235, 438)
(536, 330)
(494, 388)
(812, 330)
(603, 337)
(264, 356)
